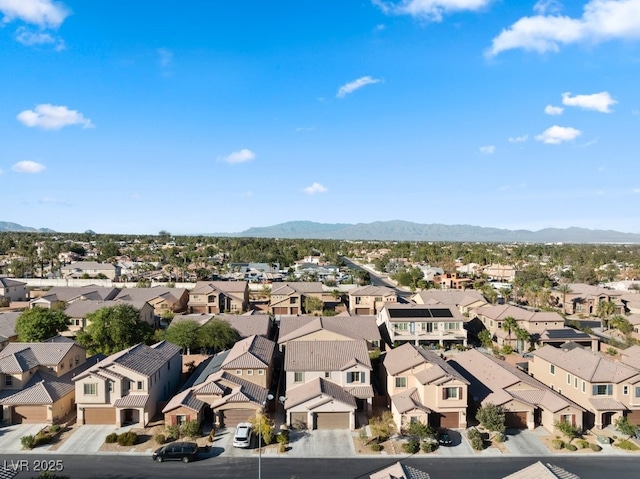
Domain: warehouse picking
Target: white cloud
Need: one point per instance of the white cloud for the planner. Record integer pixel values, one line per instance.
(380, 27)
(28, 166)
(558, 134)
(53, 117)
(432, 10)
(601, 20)
(355, 85)
(487, 150)
(45, 13)
(315, 188)
(518, 139)
(29, 38)
(241, 156)
(542, 7)
(597, 101)
(553, 110)
(165, 57)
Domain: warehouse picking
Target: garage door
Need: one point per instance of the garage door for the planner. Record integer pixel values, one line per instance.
(332, 420)
(233, 417)
(100, 415)
(450, 420)
(29, 414)
(634, 417)
(516, 420)
(363, 311)
(299, 420)
(280, 310)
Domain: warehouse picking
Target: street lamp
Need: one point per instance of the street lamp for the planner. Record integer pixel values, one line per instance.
(264, 403)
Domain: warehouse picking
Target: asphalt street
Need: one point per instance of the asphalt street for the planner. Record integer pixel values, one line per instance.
(135, 467)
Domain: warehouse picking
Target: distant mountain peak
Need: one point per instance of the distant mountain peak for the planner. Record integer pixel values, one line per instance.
(6, 226)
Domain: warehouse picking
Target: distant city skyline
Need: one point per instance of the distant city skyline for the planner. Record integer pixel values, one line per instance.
(129, 117)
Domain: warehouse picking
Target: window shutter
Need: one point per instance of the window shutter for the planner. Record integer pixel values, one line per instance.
(174, 420)
(444, 393)
(594, 390)
(349, 378)
(460, 394)
(362, 380)
(609, 389)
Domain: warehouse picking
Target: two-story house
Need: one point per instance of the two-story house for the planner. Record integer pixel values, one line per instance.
(79, 310)
(606, 389)
(528, 402)
(464, 300)
(247, 324)
(90, 269)
(423, 324)
(219, 297)
(289, 298)
(329, 328)
(125, 387)
(327, 382)
(13, 290)
(68, 295)
(368, 300)
(233, 385)
(584, 298)
(162, 299)
(36, 380)
(422, 387)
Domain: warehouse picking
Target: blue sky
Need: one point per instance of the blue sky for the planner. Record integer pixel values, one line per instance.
(210, 116)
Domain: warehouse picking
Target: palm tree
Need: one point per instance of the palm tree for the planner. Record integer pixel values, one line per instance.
(523, 337)
(506, 294)
(604, 310)
(565, 289)
(510, 325)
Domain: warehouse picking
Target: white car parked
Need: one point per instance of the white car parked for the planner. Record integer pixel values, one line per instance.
(243, 435)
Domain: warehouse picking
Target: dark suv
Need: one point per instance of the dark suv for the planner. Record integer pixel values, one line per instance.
(176, 451)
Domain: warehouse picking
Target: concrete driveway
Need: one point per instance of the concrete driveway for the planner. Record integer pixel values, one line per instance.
(321, 443)
(88, 439)
(10, 437)
(459, 446)
(523, 442)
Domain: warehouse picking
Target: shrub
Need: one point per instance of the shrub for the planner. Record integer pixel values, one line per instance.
(627, 445)
(567, 429)
(570, 447)
(492, 417)
(42, 438)
(127, 439)
(429, 446)
(557, 444)
(595, 447)
(582, 443)
(411, 447)
(376, 447)
(111, 438)
(283, 437)
(28, 442)
(160, 438)
(190, 429)
(477, 443)
(172, 433)
(55, 428)
(500, 437)
(507, 349)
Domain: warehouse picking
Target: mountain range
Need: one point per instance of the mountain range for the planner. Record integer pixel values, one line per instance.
(398, 230)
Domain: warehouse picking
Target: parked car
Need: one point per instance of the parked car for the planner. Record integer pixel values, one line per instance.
(243, 435)
(444, 438)
(176, 451)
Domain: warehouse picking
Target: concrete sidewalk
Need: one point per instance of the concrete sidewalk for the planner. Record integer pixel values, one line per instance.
(10, 437)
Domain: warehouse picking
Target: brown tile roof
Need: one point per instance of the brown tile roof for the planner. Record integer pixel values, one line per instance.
(538, 470)
(408, 356)
(8, 323)
(46, 354)
(360, 392)
(587, 365)
(318, 388)
(254, 352)
(132, 400)
(296, 287)
(408, 401)
(399, 471)
(607, 404)
(227, 287)
(325, 355)
(186, 399)
(249, 324)
(353, 327)
(172, 295)
(371, 290)
(98, 293)
(501, 311)
(451, 297)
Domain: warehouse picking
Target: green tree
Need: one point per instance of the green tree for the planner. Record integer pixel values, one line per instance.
(218, 334)
(312, 304)
(625, 426)
(38, 324)
(524, 337)
(604, 310)
(184, 333)
(263, 426)
(621, 323)
(568, 429)
(113, 329)
(510, 325)
(382, 426)
(485, 338)
(492, 417)
(564, 289)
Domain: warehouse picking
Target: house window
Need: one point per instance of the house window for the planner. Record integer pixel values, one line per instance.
(638, 391)
(401, 382)
(110, 385)
(238, 372)
(602, 390)
(298, 377)
(91, 389)
(139, 384)
(77, 360)
(552, 369)
(575, 382)
(451, 326)
(450, 393)
(401, 326)
(8, 380)
(358, 299)
(293, 300)
(625, 390)
(568, 418)
(427, 327)
(568, 378)
(327, 374)
(181, 419)
(355, 377)
(260, 372)
(249, 372)
(584, 387)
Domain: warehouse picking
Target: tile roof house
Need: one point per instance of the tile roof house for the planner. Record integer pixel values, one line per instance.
(368, 300)
(222, 385)
(289, 298)
(423, 324)
(538, 470)
(219, 297)
(13, 290)
(399, 471)
(246, 324)
(126, 387)
(329, 328)
(424, 387)
(78, 311)
(606, 389)
(465, 300)
(72, 294)
(36, 380)
(584, 298)
(326, 383)
(162, 299)
(8, 327)
(91, 269)
(528, 402)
